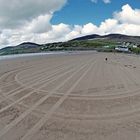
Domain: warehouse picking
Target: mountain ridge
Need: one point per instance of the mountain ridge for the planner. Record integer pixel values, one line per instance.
(88, 42)
(116, 37)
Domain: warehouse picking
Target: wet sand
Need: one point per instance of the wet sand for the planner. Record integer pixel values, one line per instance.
(70, 97)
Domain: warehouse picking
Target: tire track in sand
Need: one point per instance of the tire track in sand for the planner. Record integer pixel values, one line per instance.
(19, 90)
(42, 121)
(5, 130)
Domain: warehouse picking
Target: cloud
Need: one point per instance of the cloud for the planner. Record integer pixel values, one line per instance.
(105, 1)
(128, 15)
(40, 24)
(26, 20)
(15, 13)
(89, 29)
(58, 32)
(40, 30)
(108, 26)
(3, 39)
(125, 21)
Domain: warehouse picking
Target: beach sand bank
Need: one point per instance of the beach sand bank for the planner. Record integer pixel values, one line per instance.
(70, 97)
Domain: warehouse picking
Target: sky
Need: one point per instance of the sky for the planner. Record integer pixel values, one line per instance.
(45, 21)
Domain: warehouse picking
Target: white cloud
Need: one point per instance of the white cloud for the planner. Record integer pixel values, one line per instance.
(75, 32)
(125, 21)
(89, 28)
(128, 15)
(40, 24)
(40, 30)
(15, 13)
(128, 29)
(27, 20)
(58, 32)
(3, 39)
(105, 1)
(108, 26)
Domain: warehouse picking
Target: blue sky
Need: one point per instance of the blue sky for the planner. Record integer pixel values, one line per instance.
(45, 21)
(84, 11)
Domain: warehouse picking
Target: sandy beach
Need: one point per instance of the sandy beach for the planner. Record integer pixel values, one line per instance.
(70, 97)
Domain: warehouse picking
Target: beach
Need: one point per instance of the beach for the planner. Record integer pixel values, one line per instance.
(70, 96)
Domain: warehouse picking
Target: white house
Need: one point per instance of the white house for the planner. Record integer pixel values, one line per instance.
(134, 46)
(121, 49)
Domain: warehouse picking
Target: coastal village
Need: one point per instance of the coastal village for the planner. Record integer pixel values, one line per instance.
(126, 46)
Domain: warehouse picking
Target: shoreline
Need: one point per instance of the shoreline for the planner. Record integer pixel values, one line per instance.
(12, 56)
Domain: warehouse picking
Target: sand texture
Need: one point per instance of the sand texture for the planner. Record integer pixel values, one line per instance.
(70, 97)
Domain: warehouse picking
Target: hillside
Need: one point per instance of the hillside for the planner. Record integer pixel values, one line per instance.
(112, 37)
(89, 42)
(26, 47)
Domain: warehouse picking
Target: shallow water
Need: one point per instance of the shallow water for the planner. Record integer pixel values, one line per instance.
(28, 54)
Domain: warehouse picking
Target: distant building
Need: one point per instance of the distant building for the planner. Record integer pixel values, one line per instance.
(129, 45)
(134, 46)
(106, 46)
(122, 49)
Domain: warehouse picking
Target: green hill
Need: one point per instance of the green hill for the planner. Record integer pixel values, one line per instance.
(89, 42)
